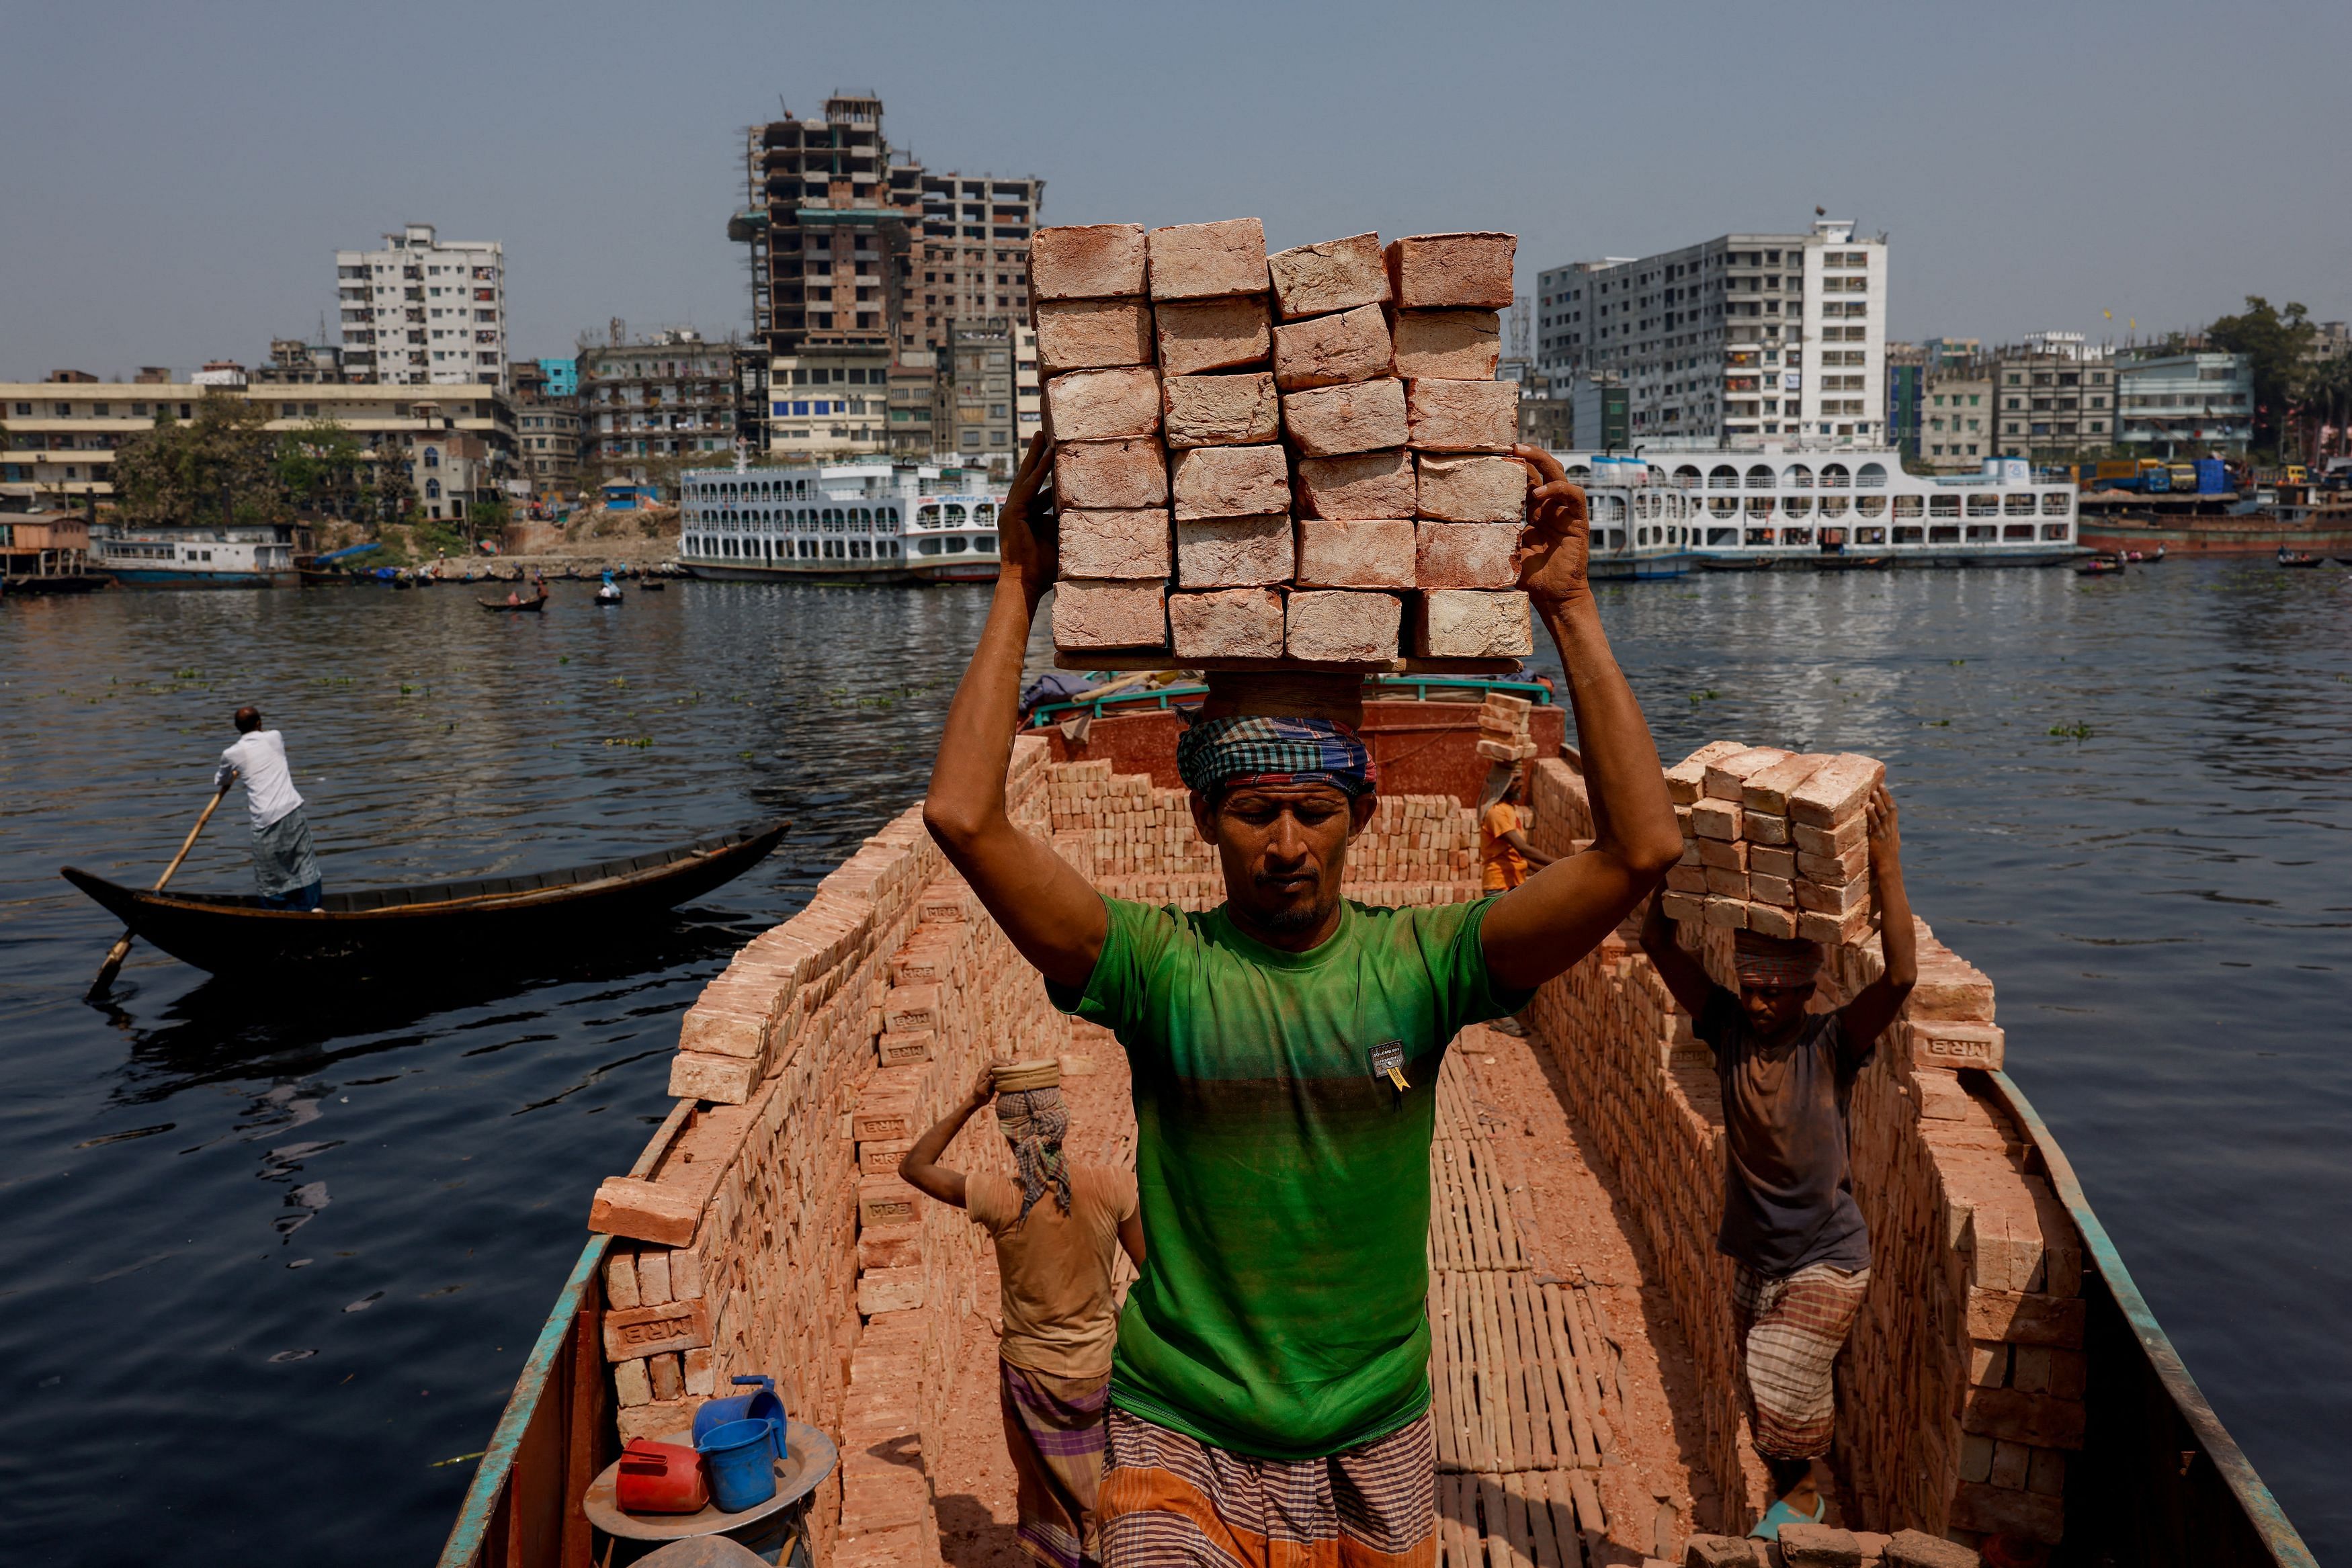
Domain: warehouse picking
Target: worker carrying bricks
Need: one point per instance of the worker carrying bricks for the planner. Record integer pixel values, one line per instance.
(1798, 1247)
(1055, 1226)
(1270, 1389)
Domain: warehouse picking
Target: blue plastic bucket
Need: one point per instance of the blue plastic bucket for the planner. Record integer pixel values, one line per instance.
(761, 1405)
(741, 1459)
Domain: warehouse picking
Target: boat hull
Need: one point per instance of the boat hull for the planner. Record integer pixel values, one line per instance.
(137, 577)
(1813, 561)
(2222, 536)
(837, 576)
(1640, 569)
(397, 926)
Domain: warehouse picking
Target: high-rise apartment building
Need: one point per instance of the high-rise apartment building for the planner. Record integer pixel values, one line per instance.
(424, 311)
(645, 405)
(2057, 393)
(1738, 339)
(855, 246)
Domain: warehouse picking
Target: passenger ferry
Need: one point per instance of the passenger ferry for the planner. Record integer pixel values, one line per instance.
(258, 555)
(1751, 510)
(872, 522)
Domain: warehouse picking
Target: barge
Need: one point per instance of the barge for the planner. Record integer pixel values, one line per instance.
(2006, 1385)
(2301, 520)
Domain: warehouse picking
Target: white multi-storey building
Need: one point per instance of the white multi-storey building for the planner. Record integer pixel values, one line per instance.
(424, 311)
(1740, 337)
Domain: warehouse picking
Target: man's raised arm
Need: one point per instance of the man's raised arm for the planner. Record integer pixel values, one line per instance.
(1555, 917)
(1051, 912)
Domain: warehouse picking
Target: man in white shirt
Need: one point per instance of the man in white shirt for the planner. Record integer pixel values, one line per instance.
(285, 871)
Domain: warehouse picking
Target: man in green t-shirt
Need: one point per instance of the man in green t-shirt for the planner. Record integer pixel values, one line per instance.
(1270, 1389)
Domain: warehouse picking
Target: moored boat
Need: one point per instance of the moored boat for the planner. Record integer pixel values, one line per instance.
(229, 556)
(521, 607)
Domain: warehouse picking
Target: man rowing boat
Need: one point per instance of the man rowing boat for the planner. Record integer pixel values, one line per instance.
(285, 869)
(1270, 1386)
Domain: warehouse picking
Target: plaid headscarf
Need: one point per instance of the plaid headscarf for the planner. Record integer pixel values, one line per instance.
(1034, 1122)
(1773, 961)
(1216, 752)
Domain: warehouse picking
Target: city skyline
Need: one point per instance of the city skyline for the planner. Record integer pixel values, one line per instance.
(154, 225)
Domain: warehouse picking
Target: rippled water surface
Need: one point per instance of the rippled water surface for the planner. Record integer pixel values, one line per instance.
(274, 1261)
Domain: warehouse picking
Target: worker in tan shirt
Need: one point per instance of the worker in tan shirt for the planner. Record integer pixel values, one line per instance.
(1054, 1226)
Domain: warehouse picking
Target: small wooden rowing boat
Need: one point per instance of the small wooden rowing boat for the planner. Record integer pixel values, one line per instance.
(489, 915)
(532, 606)
(2296, 558)
(2098, 566)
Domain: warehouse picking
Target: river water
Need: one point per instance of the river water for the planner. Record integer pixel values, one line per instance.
(274, 1261)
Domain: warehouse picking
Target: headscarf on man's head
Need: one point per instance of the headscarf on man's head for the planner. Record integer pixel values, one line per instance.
(1498, 784)
(1763, 960)
(1034, 1122)
(1275, 749)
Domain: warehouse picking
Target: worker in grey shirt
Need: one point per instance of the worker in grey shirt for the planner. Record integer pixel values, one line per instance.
(285, 869)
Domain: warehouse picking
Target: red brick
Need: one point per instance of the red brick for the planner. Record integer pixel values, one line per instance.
(1835, 870)
(1343, 628)
(1467, 555)
(1109, 615)
(1917, 1549)
(889, 1290)
(1988, 1509)
(1370, 485)
(1369, 552)
(1447, 345)
(1840, 901)
(1104, 405)
(1729, 912)
(1777, 891)
(1726, 776)
(1123, 544)
(2020, 1418)
(1712, 818)
(1336, 275)
(655, 1330)
(1833, 930)
(1337, 421)
(1214, 334)
(1836, 841)
(1452, 271)
(1110, 475)
(1209, 261)
(890, 1246)
(644, 1211)
(887, 1200)
(725, 1080)
(1231, 482)
(1234, 623)
(2022, 1317)
(1086, 261)
(1766, 829)
(1767, 789)
(1240, 410)
(1771, 919)
(1940, 1042)
(1836, 791)
(1463, 416)
(1473, 489)
(1459, 623)
(1088, 334)
(1234, 553)
(1352, 346)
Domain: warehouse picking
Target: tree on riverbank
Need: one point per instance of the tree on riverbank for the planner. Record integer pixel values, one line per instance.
(2275, 342)
(218, 467)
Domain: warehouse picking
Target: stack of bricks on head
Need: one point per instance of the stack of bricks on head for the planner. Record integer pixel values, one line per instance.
(1285, 459)
(1773, 841)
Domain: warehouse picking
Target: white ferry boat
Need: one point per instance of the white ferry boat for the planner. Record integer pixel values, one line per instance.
(872, 522)
(1750, 510)
(257, 554)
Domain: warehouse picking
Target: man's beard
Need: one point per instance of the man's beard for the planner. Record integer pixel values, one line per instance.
(1302, 916)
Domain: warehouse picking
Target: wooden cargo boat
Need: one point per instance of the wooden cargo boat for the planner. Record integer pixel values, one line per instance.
(392, 925)
(2000, 1318)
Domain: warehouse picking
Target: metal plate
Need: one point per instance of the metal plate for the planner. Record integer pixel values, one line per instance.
(812, 1458)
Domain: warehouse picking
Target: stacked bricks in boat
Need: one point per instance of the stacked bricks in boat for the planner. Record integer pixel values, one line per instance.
(1960, 1394)
(1248, 471)
(1773, 841)
(1502, 735)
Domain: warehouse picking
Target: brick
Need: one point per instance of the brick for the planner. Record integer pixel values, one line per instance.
(1835, 790)
(885, 1201)
(1812, 840)
(1327, 350)
(1833, 930)
(632, 1382)
(701, 1370)
(653, 1281)
(643, 1211)
(2009, 1464)
(1777, 891)
(1128, 545)
(1687, 879)
(1771, 919)
(1475, 489)
(1110, 475)
(621, 1280)
(1214, 334)
(1938, 1042)
(904, 1008)
(1462, 416)
(889, 1290)
(723, 1031)
(1233, 623)
(1818, 1546)
(1720, 1552)
(1464, 623)
(1370, 485)
(1726, 776)
(2021, 1317)
(881, 1156)
(1949, 990)
(1975, 1458)
(724, 1080)
(1989, 1509)
(2046, 1475)
(1687, 779)
(1917, 1549)
(1086, 261)
(1365, 552)
(1767, 790)
(1240, 410)
(1714, 819)
(1342, 628)
(2018, 1416)
(1208, 261)
(1231, 482)
(1447, 345)
(1767, 860)
(1834, 870)
(655, 1330)
(1682, 907)
(1729, 912)
(1109, 615)
(1841, 900)
(668, 1379)
(1467, 555)
(1092, 334)
(1104, 405)
(890, 1546)
(1335, 275)
(1234, 553)
(1452, 271)
(1726, 883)
(660, 1420)
(1336, 421)
(890, 1246)
(1765, 828)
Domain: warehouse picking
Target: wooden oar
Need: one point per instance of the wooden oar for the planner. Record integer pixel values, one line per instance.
(121, 949)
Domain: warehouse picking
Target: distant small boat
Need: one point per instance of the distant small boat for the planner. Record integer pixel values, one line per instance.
(2098, 566)
(654, 585)
(608, 593)
(2296, 558)
(532, 606)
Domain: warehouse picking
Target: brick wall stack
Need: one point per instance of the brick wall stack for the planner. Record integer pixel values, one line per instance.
(1301, 457)
(1960, 1394)
(1773, 841)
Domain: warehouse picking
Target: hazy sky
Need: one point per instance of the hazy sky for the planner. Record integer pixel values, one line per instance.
(177, 177)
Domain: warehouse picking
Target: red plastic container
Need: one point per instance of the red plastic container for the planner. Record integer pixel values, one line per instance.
(660, 1477)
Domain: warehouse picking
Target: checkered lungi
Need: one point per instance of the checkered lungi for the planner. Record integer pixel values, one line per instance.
(1054, 1429)
(1790, 1330)
(283, 861)
(1170, 1501)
